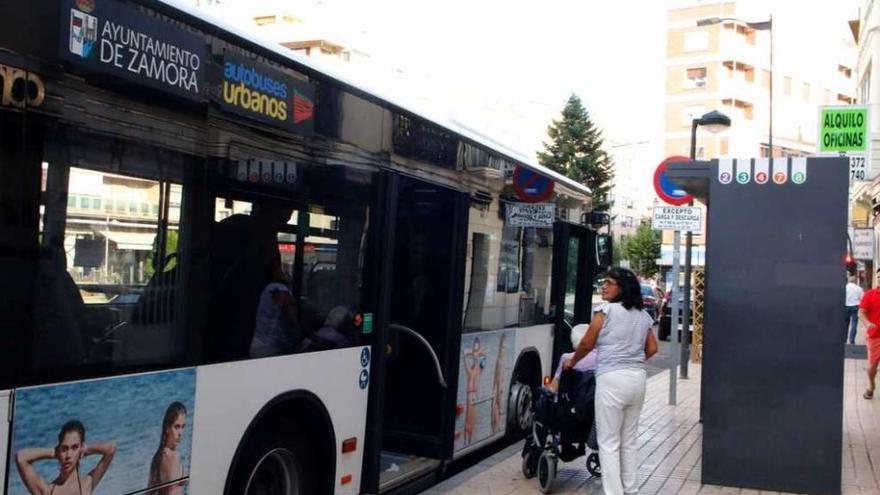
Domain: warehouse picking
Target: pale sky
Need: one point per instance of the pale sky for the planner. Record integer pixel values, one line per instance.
(505, 67)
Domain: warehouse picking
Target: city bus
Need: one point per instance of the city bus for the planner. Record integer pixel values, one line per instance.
(227, 270)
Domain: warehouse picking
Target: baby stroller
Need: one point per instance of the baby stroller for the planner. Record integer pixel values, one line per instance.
(562, 429)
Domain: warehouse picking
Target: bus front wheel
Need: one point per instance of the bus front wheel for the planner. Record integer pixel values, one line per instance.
(276, 461)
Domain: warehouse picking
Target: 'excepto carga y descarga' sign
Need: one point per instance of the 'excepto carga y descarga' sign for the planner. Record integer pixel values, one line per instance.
(258, 92)
(108, 37)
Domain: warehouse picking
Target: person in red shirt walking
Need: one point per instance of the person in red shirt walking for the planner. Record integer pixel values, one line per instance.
(869, 315)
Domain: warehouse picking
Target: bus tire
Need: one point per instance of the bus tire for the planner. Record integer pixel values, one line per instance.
(519, 409)
(276, 460)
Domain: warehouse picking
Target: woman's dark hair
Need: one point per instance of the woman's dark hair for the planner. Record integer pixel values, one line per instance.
(173, 410)
(72, 426)
(630, 295)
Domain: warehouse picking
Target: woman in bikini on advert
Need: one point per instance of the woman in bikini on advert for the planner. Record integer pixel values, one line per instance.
(473, 369)
(71, 448)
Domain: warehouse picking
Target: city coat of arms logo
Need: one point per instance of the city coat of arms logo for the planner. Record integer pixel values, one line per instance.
(83, 29)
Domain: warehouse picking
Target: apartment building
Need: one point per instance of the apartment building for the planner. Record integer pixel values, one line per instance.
(726, 66)
(290, 29)
(865, 196)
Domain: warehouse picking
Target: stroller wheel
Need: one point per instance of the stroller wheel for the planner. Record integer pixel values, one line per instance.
(593, 465)
(546, 471)
(529, 464)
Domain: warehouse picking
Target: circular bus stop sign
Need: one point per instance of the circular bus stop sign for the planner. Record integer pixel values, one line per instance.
(665, 188)
(530, 186)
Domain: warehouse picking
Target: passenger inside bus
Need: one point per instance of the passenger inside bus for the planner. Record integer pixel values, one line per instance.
(337, 331)
(245, 252)
(277, 329)
(62, 322)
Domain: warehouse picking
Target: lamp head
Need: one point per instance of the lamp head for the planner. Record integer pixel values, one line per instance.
(714, 121)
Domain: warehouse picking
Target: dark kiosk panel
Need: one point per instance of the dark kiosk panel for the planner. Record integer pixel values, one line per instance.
(772, 402)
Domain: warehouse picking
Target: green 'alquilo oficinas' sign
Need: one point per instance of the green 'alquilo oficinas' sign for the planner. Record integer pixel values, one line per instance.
(843, 129)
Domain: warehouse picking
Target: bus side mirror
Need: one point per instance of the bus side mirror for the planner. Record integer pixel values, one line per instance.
(603, 252)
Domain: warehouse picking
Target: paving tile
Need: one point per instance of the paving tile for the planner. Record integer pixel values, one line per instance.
(670, 448)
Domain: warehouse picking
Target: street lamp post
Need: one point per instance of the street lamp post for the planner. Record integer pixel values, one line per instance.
(714, 122)
(758, 26)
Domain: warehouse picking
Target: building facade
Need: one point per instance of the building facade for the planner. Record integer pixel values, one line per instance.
(726, 66)
(865, 196)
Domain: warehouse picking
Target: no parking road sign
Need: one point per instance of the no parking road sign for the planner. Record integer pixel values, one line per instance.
(665, 188)
(530, 186)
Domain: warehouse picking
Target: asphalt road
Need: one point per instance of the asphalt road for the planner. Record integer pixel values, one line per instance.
(666, 355)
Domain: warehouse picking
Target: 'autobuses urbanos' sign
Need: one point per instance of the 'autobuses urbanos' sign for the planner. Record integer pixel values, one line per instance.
(108, 37)
(254, 90)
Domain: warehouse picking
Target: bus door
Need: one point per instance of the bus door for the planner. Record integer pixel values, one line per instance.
(423, 331)
(575, 266)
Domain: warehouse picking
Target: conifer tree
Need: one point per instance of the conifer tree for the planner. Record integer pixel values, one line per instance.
(575, 150)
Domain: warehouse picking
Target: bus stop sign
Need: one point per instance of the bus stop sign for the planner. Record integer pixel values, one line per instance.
(665, 188)
(530, 186)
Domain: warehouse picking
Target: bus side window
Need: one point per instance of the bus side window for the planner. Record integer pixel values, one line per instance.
(521, 258)
(266, 298)
(108, 273)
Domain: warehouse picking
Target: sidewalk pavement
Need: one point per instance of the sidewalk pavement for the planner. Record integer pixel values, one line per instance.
(670, 444)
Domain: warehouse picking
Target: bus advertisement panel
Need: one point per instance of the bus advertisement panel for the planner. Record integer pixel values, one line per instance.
(483, 383)
(123, 434)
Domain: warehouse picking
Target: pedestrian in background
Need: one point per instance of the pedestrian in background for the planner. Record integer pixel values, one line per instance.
(869, 315)
(854, 295)
(621, 331)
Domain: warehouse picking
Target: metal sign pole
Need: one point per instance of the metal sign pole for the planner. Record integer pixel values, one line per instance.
(673, 314)
(686, 310)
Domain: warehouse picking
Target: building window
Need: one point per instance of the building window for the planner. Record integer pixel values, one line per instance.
(806, 91)
(865, 85)
(696, 41)
(787, 85)
(695, 78)
(826, 99)
(765, 79)
(845, 71)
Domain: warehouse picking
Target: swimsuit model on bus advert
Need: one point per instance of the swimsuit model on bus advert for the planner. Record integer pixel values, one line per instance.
(497, 389)
(166, 465)
(474, 370)
(69, 451)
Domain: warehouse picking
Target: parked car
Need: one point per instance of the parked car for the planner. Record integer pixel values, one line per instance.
(649, 299)
(664, 328)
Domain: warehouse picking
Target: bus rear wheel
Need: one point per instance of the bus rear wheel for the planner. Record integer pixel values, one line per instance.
(276, 461)
(519, 410)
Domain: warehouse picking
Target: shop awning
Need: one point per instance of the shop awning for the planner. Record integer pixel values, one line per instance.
(133, 241)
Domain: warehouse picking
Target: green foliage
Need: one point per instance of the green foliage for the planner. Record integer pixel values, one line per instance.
(643, 249)
(171, 240)
(575, 150)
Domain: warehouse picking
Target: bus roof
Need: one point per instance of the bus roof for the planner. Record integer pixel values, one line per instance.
(247, 38)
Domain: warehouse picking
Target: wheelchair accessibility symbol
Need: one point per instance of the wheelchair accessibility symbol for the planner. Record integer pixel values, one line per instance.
(365, 357)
